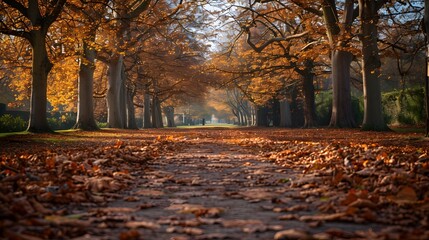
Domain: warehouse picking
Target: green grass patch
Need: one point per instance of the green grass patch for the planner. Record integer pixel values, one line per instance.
(220, 125)
(6, 134)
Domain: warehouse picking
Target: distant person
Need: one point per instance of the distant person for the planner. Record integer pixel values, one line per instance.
(204, 121)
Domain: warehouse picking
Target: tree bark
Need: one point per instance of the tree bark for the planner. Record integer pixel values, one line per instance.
(146, 110)
(169, 113)
(156, 113)
(426, 29)
(342, 115)
(309, 98)
(285, 114)
(41, 67)
(115, 93)
(373, 110)
(262, 117)
(85, 112)
(131, 112)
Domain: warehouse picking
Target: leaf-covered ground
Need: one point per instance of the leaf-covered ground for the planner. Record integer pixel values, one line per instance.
(215, 184)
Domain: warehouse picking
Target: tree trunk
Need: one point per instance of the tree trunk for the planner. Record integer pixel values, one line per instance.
(426, 28)
(262, 117)
(41, 67)
(169, 113)
(85, 112)
(285, 114)
(309, 98)
(146, 110)
(131, 112)
(373, 110)
(115, 91)
(156, 113)
(342, 115)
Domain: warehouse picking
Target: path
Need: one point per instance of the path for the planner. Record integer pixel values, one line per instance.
(215, 190)
(215, 184)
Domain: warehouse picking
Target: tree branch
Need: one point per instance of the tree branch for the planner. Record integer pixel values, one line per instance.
(53, 15)
(18, 6)
(272, 40)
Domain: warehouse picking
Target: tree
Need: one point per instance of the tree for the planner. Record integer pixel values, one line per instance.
(339, 37)
(31, 23)
(123, 13)
(426, 30)
(283, 33)
(373, 112)
(89, 17)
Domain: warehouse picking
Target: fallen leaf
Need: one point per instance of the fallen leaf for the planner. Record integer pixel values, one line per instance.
(323, 217)
(142, 224)
(150, 193)
(292, 234)
(363, 203)
(240, 222)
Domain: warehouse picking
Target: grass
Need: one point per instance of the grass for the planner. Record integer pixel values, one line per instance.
(13, 133)
(217, 125)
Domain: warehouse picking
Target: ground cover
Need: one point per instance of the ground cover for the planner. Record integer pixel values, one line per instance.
(215, 183)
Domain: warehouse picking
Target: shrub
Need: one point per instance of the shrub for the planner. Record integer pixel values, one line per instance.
(61, 122)
(102, 124)
(323, 103)
(8, 123)
(404, 106)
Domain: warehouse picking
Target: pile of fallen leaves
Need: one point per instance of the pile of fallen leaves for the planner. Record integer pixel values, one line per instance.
(343, 178)
(38, 186)
(355, 182)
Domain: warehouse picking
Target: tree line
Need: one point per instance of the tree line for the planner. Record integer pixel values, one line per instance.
(143, 49)
(157, 53)
(281, 47)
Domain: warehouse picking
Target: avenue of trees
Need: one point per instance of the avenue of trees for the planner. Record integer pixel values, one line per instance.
(160, 55)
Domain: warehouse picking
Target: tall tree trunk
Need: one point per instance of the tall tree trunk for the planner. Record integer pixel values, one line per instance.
(261, 116)
(85, 112)
(342, 115)
(373, 110)
(235, 113)
(309, 98)
(169, 113)
(156, 113)
(40, 69)
(426, 29)
(147, 123)
(115, 93)
(131, 112)
(285, 114)
(156, 107)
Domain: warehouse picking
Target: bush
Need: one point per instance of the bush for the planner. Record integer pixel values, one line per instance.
(404, 106)
(61, 122)
(8, 123)
(102, 124)
(323, 103)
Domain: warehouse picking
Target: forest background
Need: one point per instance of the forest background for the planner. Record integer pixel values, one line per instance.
(131, 64)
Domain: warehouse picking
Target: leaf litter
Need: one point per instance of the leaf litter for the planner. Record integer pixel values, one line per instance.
(216, 184)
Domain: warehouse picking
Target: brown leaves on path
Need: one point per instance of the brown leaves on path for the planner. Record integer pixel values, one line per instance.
(215, 184)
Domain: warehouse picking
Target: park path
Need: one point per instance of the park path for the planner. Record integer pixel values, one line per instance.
(214, 189)
(214, 184)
